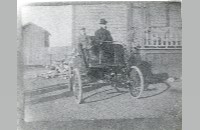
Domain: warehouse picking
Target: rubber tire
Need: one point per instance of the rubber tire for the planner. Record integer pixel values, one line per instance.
(134, 70)
(77, 86)
(71, 78)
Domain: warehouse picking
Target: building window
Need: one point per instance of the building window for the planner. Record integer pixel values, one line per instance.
(163, 29)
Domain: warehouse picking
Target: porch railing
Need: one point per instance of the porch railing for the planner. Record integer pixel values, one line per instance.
(162, 38)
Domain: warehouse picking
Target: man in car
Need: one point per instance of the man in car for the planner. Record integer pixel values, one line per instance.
(102, 35)
(103, 38)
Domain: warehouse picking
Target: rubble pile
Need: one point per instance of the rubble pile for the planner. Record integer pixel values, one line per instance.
(57, 69)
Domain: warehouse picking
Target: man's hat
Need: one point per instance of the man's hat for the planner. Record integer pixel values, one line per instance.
(103, 21)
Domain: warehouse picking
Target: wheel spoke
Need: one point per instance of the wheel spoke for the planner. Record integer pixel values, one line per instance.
(137, 88)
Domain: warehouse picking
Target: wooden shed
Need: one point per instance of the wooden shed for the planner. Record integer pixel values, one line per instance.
(36, 44)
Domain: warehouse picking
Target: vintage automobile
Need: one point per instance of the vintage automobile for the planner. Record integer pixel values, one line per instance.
(109, 66)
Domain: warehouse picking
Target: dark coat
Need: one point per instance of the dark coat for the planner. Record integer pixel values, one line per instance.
(102, 35)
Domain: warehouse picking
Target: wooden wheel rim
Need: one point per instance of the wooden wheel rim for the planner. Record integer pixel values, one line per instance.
(133, 82)
(77, 86)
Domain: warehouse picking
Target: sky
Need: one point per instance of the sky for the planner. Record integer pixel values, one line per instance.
(57, 20)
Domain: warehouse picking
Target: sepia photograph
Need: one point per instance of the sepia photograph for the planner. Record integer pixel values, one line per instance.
(99, 65)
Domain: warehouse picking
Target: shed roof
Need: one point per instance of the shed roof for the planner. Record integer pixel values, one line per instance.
(34, 25)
